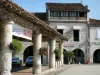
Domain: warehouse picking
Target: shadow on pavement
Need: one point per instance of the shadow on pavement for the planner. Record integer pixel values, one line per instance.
(24, 69)
(19, 68)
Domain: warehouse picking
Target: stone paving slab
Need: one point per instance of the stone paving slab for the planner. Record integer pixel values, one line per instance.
(74, 69)
(87, 69)
(57, 71)
(45, 70)
(22, 74)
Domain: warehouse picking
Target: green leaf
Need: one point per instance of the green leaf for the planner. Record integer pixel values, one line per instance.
(69, 54)
(58, 53)
(17, 45)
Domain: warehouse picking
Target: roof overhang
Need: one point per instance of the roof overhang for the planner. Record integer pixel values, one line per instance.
(42, 26)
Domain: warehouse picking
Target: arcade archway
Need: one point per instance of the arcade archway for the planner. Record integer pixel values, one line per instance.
(28, 52)
(96, 56)
(79, 56)
(65, 57)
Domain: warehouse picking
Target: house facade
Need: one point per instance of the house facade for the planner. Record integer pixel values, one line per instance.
(94, 34)
(72, 20)
(15, 22)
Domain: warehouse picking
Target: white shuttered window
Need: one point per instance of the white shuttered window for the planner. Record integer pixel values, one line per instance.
(97, 36)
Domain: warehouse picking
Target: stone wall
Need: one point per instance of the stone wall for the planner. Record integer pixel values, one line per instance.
(94, 43)
(68, 31)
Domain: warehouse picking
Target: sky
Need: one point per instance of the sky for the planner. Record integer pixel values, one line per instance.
(39, 5)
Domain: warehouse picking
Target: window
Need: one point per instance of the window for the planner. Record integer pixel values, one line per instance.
(62, 14)
(50, 13)
(60, 31)
(66, 14)
(81, 14)
(53, 13)
(58, 13)
(72, 14)
(97, 34)
(77, 14)
(76, 35)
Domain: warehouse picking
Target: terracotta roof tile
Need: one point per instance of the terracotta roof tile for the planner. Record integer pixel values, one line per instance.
(94, 21)
(66, 7)
(41, 15)
(13, 7)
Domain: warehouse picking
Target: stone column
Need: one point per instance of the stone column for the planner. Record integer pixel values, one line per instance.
(62, 59)
(91, 56)
(48, 54)
(52, 44)
(37, 42)
(5, 52)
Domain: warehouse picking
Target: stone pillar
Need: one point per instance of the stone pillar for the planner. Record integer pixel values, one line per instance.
(62, 59)
(37, 42)
(48, 54)
(5, 52)
(52, 44)
(91, 57)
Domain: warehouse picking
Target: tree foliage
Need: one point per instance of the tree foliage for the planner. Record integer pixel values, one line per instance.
(69, 53)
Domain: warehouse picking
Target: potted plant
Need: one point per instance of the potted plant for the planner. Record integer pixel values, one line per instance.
(58, 54)
(43, 51)
(15, 46)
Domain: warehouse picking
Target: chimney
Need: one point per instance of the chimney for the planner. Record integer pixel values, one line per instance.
(86, 6)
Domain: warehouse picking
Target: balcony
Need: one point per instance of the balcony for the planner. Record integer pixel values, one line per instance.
(67, 19)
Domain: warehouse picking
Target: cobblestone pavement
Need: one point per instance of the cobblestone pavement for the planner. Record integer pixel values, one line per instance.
(91, 69)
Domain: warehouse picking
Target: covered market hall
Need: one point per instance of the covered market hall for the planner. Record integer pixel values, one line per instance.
(11, 14)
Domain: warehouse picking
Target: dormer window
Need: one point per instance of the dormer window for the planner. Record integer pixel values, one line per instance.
(81, 14)
(67, 14)
(53, 13)
(58, 13)
(64, 14)
(68, 11)
(72, 14)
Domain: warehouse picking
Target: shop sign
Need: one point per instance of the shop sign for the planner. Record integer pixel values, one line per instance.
(68, 44)
(95, 43)
(22, 32)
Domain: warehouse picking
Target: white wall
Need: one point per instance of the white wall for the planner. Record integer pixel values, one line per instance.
(83, 34)
(93, 47)
(81, 26)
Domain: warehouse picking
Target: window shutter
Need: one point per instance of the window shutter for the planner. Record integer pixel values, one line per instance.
(97, 33)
